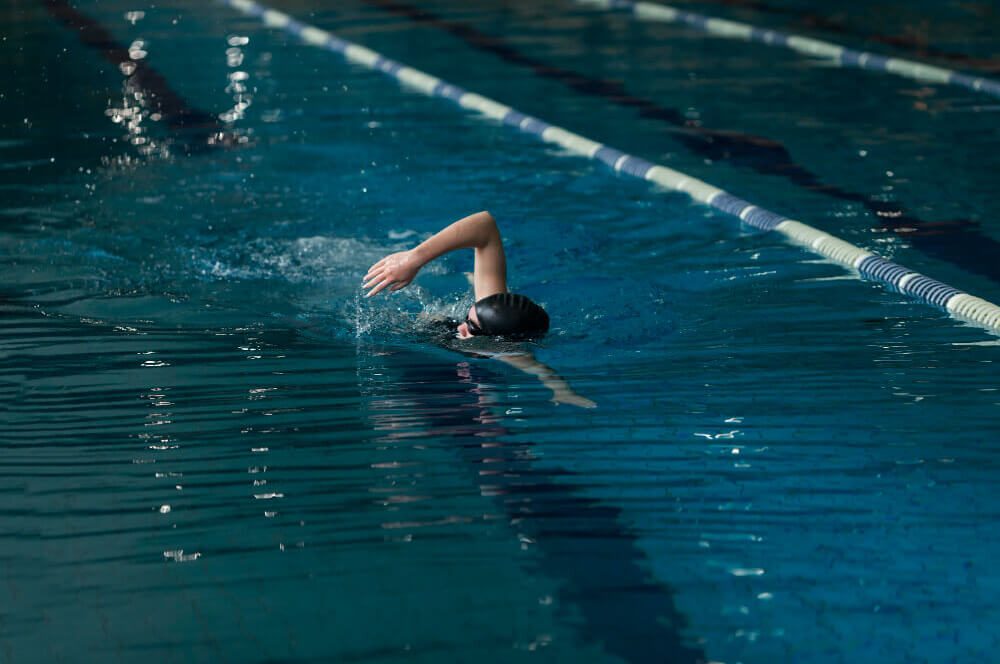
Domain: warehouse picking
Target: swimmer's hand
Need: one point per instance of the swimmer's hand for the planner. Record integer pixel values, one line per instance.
(570, 397)
(395, 271)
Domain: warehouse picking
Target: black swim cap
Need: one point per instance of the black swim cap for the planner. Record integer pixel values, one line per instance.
(511, 315)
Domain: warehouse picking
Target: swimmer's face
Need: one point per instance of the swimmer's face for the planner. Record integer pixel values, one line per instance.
(463, 328)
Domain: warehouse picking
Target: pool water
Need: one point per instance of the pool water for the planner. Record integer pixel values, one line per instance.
(213, 448)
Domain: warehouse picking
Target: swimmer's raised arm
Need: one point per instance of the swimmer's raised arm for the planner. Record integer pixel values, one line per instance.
(477, 231)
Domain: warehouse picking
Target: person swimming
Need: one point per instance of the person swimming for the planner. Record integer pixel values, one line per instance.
(496, 312)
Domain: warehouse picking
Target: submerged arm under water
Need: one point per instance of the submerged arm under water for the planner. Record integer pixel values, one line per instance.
(562, 392)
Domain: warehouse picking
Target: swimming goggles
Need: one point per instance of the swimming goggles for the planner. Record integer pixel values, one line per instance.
(474, 329)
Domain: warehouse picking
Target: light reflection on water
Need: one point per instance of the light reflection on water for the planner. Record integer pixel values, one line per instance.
(133, 113)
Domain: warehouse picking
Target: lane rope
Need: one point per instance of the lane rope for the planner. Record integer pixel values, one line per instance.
(960, 305)
(846, 57)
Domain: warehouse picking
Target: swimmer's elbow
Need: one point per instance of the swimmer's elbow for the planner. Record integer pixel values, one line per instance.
(490, 232)
(487, 218)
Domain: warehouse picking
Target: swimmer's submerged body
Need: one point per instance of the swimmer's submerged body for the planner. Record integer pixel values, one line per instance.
(496, 311)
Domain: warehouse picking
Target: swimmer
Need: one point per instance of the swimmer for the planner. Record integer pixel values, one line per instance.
(496, 311)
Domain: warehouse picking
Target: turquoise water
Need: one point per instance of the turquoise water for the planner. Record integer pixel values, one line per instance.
(212, 449)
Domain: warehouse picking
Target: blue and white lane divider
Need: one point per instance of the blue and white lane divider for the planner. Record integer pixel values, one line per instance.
(651, 11)
(961, 305)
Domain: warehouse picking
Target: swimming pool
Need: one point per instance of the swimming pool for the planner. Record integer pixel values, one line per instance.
(212, 448)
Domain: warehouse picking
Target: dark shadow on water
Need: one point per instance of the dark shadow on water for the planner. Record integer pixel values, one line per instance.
(578, 540)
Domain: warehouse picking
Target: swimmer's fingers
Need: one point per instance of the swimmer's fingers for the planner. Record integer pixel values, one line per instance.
(392, 284)
(373, 271)
(376, 267)
(378, 264)
(381, 285)
(385, 273)
(373, 279)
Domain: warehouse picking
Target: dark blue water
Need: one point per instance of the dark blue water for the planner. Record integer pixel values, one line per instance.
(212, 449)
